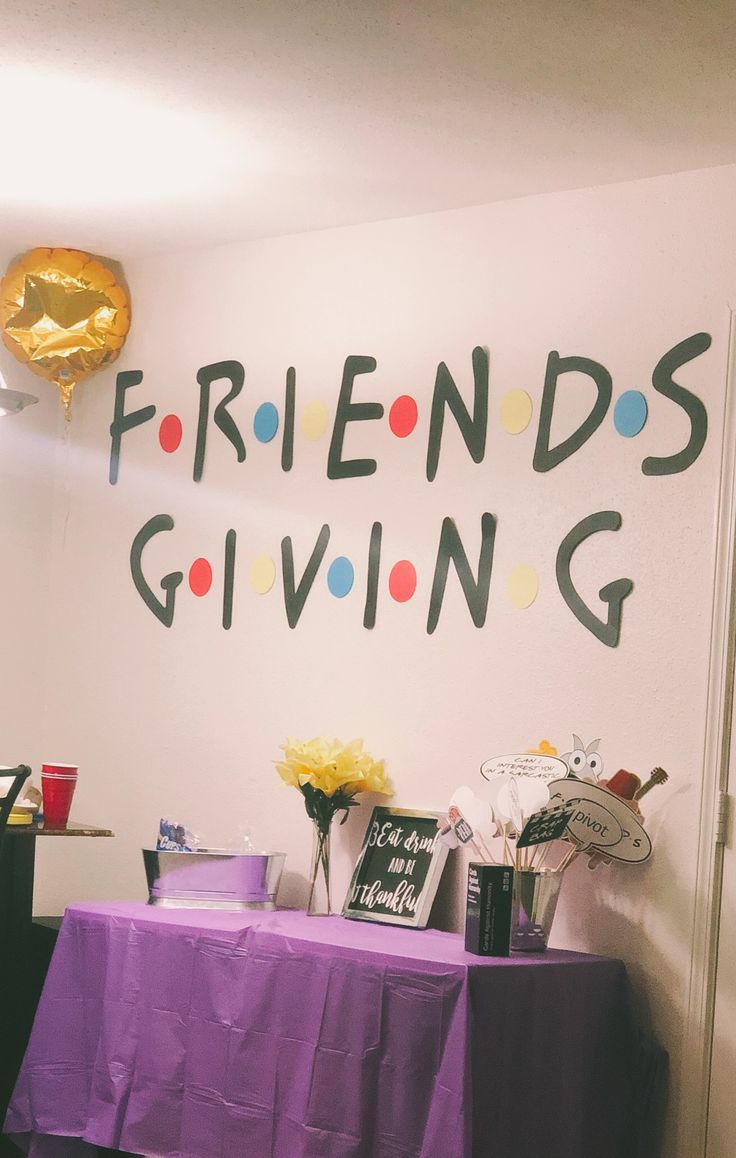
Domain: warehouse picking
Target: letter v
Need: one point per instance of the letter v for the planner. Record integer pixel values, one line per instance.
(296, 597)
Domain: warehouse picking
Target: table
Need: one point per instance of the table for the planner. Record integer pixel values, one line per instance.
(198, 1033)
(19, 971)
(17, 866)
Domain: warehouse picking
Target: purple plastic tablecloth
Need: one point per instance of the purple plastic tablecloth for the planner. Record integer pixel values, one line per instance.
(202, 1034)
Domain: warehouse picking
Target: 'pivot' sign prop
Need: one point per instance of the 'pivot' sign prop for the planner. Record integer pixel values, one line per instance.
(601, 821)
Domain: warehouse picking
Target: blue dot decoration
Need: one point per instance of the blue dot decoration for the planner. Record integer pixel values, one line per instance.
(340, 577)
(630, 413)
(266, 422)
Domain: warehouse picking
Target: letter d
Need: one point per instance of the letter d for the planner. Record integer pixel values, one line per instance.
(544, 457)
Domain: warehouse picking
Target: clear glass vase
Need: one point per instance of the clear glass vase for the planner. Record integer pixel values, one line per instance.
(320, 899)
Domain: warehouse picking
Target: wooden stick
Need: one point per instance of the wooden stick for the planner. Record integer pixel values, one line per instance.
(570, 860)
(478, 852)
(482, 849)
(507, 849)
(570, 856)
(486, 848)
(545, 854)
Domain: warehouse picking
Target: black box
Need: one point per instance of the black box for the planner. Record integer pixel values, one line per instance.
(488, 912)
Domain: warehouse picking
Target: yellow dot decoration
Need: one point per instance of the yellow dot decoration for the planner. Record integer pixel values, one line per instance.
(262, 574)
(314, 420)
(544, 749)
(516, 411)
(522, 586)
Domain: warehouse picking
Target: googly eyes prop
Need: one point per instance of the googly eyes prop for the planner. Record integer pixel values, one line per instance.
(595, 764)
(584, 763)
(576, 761)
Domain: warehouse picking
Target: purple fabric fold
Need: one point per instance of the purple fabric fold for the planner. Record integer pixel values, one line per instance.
(196, 1034)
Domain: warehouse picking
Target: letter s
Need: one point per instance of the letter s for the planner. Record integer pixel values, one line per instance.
(662, 381)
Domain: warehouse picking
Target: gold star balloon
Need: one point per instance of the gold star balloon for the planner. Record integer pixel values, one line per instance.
(63, 315)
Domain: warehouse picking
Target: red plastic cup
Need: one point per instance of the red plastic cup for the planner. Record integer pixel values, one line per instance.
(58, 782)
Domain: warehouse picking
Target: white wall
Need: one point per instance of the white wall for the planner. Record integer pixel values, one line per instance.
(28, 449)
(187, 721)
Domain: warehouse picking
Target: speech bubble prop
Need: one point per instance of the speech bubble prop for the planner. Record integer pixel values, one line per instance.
(529, 765)
(533, 795)
(593, 825)
(517, 786)
(632, 845)
(508, 803)
(498, 800)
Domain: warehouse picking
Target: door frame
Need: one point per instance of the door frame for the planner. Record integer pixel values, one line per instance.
(700, 1009)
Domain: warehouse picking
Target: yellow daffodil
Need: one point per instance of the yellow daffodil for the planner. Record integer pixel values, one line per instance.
(329, 775)
(332, 768)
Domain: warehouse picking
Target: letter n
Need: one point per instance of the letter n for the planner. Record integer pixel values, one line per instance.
(446, 394)
(475, 590)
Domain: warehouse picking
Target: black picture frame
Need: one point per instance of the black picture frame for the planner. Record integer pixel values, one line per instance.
(397, 874)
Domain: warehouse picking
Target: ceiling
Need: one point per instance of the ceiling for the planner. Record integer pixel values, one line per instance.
(135, 127)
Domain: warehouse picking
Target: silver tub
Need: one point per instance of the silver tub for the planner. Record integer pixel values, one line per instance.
(213, 879)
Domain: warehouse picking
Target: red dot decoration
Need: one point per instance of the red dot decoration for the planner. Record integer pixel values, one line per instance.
(402, 582)
(169, 433)
(402, 417)
(200, 577)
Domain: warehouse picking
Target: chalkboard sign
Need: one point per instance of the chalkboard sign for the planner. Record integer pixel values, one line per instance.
(398, 871)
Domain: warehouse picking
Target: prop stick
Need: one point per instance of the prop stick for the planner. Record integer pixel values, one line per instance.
(478, 851)
(486, 848)
(544, 850)
(507, 847)
(501, 831)
(481, 850)
(570, 856)
(544, 855)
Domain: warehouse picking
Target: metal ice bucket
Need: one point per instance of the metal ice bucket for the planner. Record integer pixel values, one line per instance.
(213, 878)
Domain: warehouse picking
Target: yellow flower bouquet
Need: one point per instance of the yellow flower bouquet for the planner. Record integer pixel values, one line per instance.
(329, 775)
